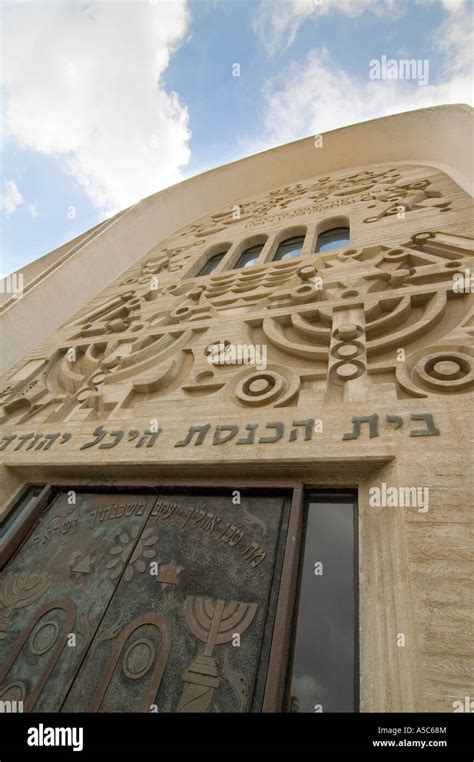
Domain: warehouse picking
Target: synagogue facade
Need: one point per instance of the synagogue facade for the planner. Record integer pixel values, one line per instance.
(235, 436)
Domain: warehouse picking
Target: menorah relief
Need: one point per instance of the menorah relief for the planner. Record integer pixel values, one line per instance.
(213, 622)
(17, 591)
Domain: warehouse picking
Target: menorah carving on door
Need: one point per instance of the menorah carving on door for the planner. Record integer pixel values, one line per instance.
(213, 622)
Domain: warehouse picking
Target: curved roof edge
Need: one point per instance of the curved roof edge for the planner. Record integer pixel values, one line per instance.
(439, 136)
(465, 172)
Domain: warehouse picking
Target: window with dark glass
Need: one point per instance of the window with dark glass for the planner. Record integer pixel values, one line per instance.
(249, 256)
(211, 264)
(290, 248)
(325, 669)
(333, 239)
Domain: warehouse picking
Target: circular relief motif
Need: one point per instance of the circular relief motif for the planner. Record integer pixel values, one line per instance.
(260, 388)
(395, 255)
(348, 332)
(306, 272)
(304, 293)
(421, 238)
(346, 371)
(418, 185)
(44, 637)
(351, 293)
(349, 254)
(346, 351)
(447, 370)
(399, 277)
(98, 378)
(138, 658)
(181, 313)
(127, 281)
(273, 386)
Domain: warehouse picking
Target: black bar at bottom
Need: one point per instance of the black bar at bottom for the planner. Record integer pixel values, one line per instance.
(92, 734)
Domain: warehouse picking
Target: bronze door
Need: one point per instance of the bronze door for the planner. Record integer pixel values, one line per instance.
(143, 603)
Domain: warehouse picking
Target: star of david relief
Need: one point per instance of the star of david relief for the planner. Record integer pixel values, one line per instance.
(332, 323)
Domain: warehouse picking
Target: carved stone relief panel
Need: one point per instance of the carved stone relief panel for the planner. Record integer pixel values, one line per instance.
(374, 195)
(337, 332)
(332, 324)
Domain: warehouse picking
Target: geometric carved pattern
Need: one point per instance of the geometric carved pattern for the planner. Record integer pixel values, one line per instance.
(146, 339)
(443, 368)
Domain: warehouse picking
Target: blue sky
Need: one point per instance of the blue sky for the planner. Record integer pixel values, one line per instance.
(106, 102)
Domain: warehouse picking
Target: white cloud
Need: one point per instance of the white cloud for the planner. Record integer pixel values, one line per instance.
(454, 38)
(277, 23)
(447, 5)
(83, 83)
(33, 209)
(317, 95)
(308, 691)
(12, 197)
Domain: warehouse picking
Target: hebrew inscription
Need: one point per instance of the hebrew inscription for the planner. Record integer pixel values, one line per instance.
(271, 432)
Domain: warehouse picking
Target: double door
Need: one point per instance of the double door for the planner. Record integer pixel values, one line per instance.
(138, 602)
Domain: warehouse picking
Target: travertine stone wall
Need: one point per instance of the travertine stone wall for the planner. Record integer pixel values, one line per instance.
(364, 379)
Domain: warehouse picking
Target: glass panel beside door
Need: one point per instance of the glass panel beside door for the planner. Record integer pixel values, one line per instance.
(324, 675)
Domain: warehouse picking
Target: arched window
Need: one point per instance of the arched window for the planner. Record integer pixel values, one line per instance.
(249, 256)
(290, 248)
(211, 264)
(333, 239)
